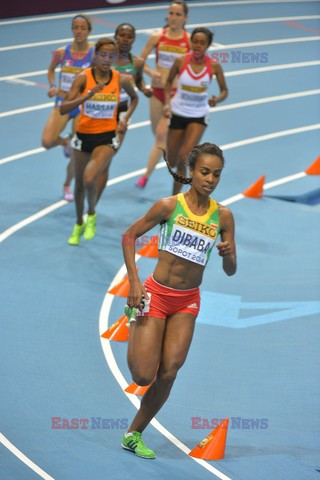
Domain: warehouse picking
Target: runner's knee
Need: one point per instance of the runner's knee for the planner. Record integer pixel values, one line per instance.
(143, 378)
(47, 142)
(168, 373)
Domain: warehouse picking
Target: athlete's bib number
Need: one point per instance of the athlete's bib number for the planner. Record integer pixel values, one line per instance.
(192, 246)
(96, 109)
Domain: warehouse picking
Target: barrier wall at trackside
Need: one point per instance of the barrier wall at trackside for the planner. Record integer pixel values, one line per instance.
(19, 8)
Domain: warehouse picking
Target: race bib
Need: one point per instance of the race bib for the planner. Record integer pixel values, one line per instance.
(101, 106)
(67, 76)
(192, 246)
(193, 100)
(168, 53)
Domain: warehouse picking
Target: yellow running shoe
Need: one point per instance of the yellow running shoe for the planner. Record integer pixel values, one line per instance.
(74, 238)
(90, 227)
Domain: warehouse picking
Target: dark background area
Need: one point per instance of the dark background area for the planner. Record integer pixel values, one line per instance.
(19, 8)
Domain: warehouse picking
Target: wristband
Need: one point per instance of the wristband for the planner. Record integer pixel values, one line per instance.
(52, 85)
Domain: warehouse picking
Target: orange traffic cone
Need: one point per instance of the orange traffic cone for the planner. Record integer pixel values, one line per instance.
(151, 249)
(255, 190)
(119, 331)
(314, 168)
(213, 446)
(136, 389)
(122, 288)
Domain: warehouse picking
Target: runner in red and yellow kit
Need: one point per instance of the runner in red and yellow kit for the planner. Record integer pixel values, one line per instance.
(170, 43)
(97, 90)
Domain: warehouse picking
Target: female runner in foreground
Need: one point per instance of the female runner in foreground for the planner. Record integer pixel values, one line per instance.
(169, 300)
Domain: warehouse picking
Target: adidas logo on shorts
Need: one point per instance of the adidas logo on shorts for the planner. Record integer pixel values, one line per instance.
(193, 305)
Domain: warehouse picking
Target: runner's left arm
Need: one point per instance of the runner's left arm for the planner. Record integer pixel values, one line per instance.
(217, 70)
(126, 85)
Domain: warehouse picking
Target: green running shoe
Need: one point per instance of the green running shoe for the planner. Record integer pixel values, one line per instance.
(74, 238)
(135, 444)
(90, 228)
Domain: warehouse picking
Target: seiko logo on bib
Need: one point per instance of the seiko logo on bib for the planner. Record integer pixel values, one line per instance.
(207, 230)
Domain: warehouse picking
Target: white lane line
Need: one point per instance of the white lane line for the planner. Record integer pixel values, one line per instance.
(108, 301)
(248, 141)
(272, 68)
(26, 109)
(247, 71)
(148, 30)
(27, 74)
(271, 136)
(22, 82)
(27, 153)
(24, 459)
(48, 42)
(36, 216)
(282, 181)
(260, 101)
(27, 83)
(215, 47)
(262, 43)
(144, 9)
(267, 186)
(248, 103)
